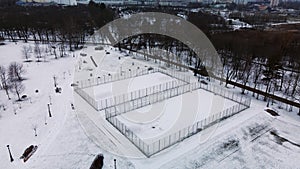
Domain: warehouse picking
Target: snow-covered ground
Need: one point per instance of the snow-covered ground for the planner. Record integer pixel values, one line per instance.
(108, 90)
(159, 120)
(285, 23)
(237, 24)
(72, 138)
(17, 130)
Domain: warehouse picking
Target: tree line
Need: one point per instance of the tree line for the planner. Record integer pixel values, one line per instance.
(264, 60)
(268, 59)
(67, 25)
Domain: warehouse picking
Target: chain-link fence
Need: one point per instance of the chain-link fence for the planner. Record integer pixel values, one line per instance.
(86, 97)
(120, 104)
(176, 75)
(131, 96)
(219, 90)
(176, 137)
(163, 94)
(114, 77)
(139, 143)
(163, 143)
(127, 102)
(127, 75)
(143, 95)
(191, 130)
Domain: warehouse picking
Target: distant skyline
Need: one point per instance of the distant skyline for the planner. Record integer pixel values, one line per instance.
(154, 2)
(66, 2)
(149, 2)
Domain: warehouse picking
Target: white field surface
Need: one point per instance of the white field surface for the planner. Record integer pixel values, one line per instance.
(71, 139)
(174, 114)
(108, 90)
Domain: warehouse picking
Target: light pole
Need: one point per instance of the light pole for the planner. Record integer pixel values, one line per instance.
(11, 158)
(49, 111)
(55, 80)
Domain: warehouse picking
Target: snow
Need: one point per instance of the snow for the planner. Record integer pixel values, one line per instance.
(237, 24)
(72, 138)
(117, 88)
(172, 115)
(285, 23)
(17, 130)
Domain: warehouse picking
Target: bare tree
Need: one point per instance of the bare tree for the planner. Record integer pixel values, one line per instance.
(15, 71)
(245, 71)
(4, 80)
(17, 87)
(62, 49)
(37, 52)
(25, 52)
(295, 85)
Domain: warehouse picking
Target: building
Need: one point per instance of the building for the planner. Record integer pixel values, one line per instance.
(142, 2)
(61, 2)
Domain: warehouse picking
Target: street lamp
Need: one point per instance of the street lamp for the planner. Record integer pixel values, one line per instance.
(49, 110)
(11, 158)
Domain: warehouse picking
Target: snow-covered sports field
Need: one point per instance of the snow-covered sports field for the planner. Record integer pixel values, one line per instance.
(116, 88)
(161, 119)
(153, 122)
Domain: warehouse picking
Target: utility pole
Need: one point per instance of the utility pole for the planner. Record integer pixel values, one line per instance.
(49, 110)
(55, 78)
(115, 163)
(11, 158)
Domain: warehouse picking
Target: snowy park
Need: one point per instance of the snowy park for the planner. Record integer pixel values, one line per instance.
(149, 84)
(69, 132)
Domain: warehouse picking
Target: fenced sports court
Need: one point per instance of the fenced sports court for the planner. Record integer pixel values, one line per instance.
(179, 85)
(81, 86)
(167, 141)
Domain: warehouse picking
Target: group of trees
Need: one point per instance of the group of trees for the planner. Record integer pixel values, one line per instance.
(11, 79)
(258, 19)
(261, 18)
(207, 22)
(64, 25)
(41, 51)
(264, 60)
